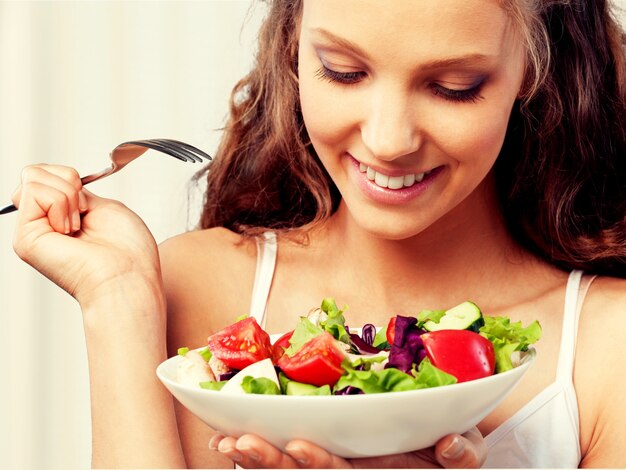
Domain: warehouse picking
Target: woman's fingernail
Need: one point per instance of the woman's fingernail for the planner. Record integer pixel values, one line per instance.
(229, 451)
(75, 221)
(454, 450)
(297, 454)
(214, 441)
(249, 452)
(82, 202)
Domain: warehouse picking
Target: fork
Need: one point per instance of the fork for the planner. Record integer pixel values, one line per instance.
(126, 152)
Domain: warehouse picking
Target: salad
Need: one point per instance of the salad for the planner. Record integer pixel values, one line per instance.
(322, 356)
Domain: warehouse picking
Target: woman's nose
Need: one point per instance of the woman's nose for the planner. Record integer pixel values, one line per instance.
(389, 130)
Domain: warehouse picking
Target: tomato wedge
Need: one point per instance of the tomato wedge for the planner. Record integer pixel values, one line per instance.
(391, 330)
(241, 344)
(462, 353)
(279, 346)
(317, 363)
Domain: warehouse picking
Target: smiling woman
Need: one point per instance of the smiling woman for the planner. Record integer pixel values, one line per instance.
(387, 154)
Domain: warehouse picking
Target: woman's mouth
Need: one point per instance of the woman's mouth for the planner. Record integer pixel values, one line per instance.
(391, 189)
(392, 182)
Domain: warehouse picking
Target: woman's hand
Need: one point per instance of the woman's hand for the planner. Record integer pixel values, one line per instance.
(452, 451)
(85, 244)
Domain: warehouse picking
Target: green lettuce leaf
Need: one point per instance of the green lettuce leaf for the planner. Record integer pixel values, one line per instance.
(509, 337)
(210, 385)
(304, 331)
(393, 380)
(429, 315)
(430, 376)
(206, 354)
(335, 322)
(380, 340)
(259, 386)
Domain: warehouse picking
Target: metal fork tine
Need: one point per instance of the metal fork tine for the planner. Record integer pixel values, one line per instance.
(194, 153)
(174, 152)
(184, 149)
(191, 148)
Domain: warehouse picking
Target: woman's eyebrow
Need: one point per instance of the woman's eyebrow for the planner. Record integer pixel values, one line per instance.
(468, 59)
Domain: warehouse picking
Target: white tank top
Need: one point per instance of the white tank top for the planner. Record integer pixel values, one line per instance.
(545, 432)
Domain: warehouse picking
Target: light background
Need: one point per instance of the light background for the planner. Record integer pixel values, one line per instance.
(76, 79)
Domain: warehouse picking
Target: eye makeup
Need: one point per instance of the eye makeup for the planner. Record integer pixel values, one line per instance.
(344, 78)
(465, 95)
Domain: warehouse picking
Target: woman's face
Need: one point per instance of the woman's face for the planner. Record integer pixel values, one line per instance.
(407, 103)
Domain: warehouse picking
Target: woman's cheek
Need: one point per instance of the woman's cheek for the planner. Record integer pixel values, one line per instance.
(472, 136)
(325, 118)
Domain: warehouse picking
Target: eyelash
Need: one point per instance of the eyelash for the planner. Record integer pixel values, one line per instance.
(470, 95)
(345, 78)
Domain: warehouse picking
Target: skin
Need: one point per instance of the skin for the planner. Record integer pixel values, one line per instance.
(448, 245)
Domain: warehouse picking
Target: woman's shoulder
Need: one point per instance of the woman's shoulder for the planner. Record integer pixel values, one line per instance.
(602, 324)
(208, 277)
(600, 373)
(214, 255)
(605, 302)
(216, 242)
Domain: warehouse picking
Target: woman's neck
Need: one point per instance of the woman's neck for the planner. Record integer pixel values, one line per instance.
(468, 253)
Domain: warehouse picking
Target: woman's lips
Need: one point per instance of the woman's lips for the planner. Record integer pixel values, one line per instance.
(390, 189)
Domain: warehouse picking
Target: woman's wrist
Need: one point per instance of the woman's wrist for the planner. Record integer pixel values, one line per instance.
(132, 303)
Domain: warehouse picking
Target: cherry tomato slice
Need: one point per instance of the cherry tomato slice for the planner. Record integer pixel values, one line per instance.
(317, 363)
(462, 353)
(241, 344)
(279, 346)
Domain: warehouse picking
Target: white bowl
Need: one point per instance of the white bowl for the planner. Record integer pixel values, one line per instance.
(350, 425)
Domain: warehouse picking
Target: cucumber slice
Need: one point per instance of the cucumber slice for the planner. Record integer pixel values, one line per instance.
(298, 388)
(465, 316)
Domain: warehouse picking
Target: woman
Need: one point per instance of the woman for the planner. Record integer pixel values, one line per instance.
(406, 154)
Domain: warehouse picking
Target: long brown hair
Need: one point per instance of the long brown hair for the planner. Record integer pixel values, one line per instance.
(560, 175)
(265, 173)
(561, 172)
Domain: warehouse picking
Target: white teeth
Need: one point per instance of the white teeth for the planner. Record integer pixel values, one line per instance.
(381, 180)
(391, 182)
(395, 182)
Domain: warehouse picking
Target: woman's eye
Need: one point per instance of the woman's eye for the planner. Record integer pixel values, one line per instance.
(345, 78)
(468, 95)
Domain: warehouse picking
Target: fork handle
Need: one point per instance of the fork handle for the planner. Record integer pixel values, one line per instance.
(8, 209)
(101, 174)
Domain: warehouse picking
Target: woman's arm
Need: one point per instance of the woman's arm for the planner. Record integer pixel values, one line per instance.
(102, 254)
(133, 419)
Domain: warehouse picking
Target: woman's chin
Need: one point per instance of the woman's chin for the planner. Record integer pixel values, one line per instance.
(389, 228)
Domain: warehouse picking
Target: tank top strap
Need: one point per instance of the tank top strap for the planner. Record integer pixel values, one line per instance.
(575, 292)
(267, 248)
